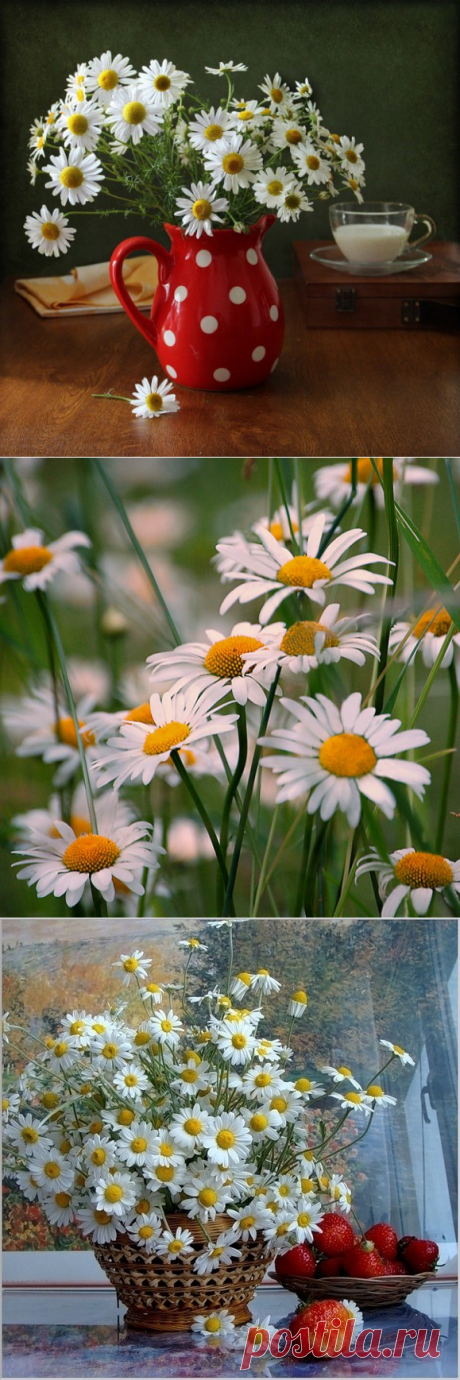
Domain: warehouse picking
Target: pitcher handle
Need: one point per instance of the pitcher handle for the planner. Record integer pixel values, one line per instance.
(422, 239)
(138, 244)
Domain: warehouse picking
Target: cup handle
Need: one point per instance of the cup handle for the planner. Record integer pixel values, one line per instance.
(426, 220)
(138, 244)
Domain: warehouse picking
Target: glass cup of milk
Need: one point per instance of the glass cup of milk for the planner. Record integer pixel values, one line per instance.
(376, 232)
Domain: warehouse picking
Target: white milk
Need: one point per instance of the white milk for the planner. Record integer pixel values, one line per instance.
(369, 243)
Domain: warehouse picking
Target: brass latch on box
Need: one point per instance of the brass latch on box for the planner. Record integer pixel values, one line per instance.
(345, 299)
(411, 312)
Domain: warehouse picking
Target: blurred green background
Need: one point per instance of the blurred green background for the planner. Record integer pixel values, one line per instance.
(385, 71)
(180, 509)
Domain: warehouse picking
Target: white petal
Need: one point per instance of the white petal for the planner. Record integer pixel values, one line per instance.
(393, 901)
(421, 897)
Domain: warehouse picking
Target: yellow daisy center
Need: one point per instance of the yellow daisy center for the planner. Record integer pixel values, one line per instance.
(175, 1247)
(145, 1232)
(90, 853)
(27, 560)
(108, 79)
(225, 657)
(165, 1149)
(225, 1139)
(76, 1027)
(98, 1156)
(71, 176)
(113, 1193)
(166, 1026)
(263, 1080)
(312, 162)
(437, 623)
(50, 231)
(293, 136)
(189, 1076)
(303, 1085)
(110, 1050)
(95, 1127)
(162, 83)
(142, 1037)
(212, 1325)
(398, 1049)
(138, 1145)
(347, 754)
(365, 471)
(207, 1197)
(274, 187)
(424, 869)
(62, 1200)
(154, 402)
(134, 112)
(278, 1104)
(353, 183)
(65, 731)
(276, 94)
(303, 571)
(213, 132)
(292, 201)
(307, 1185)
(49, 1100)
(29, 1135)
(80, 94)
(202, 208)
(166, 738)
(351, 155)
(246, 115)
(300, 996)
(77, 124)
(102, 1217)
(353, 1097)
(300, 639)
(193, 1126)
(125, 1117)
(346, 1073)
(239, 1041)
(248, 1221)
(304, 1219)
(233, 163)
(258, 1122)
(51, 1169)
(60, 1049)
(374, 1090)
(141, 714)
(142, 1206)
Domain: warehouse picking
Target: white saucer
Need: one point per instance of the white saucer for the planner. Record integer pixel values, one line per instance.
(332, 257)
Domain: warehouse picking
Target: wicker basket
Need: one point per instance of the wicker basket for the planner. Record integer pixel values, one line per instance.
(385, 1291)
(164, 1294)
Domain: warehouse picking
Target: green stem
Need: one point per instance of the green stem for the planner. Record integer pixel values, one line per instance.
(451, 734)
(250, 831)
(310, 876)
(100, 906)
(330, 533)
(263, 870)
(309, 819)
(228, 903)
(202, 811)
(298, 485)
(118, 397)
(47, 613)
(121, 510)
(236, 778)
(432, 675)
(453, 495)
(393, 552)
(284, 500)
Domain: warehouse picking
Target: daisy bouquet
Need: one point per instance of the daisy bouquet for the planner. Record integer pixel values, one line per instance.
(176, 157)
(172, 1123)
(293, 736)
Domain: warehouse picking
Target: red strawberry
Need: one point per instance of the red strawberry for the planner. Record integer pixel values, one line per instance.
(363, 1261)
(323, 1314)
(385, 1239)
(331, 1266)
(402, 1243)
(299, 1261)
(335, 1235)
(395, 1267)
(421, 1255)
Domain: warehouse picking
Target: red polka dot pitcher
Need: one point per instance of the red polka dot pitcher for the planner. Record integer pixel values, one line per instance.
(217, 318)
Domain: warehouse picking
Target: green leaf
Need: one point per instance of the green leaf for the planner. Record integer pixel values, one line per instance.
(429, 564)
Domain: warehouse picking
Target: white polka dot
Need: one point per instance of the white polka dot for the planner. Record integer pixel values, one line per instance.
(258, 353)
(237, 294)
(204, 258)
(180, 294)
(209, 324)
(251, 256)
(169, 338)
(276, 361)
(171, 371)
(274, 313)
(221, 375)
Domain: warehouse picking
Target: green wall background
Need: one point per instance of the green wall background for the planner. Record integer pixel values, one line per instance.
(382, 70)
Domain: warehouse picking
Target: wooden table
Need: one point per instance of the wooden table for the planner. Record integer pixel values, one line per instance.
(334, 393)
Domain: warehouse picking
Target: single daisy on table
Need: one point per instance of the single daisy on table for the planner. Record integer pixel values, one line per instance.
(207, 127)
(311, 165)
(80, 127)
(294, 201)
(62, 865)
(336, 755)
(199, 207)
(138, 750)
(214, 1325)
(33, 721)
(264, 568)
(49, 232)
(163, 82)
(399, 1052)
(432, 628)
(332, 482)
(35, 561)
(105, 73)
(271, 185)
(153, 399)
(131, 114)
(308, 644)
(235, 161)
(410, 874)
(74, 176)
(221, 658)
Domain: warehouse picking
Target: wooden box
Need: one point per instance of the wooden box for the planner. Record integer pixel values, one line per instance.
(423, 298)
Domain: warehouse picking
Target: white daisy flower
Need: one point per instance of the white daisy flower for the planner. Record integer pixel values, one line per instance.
(74, 176)
(378, 1097)
(137, 752)
(332, 482)
(311, 165)
(234, 160)
(219, 1324)
(288, 134)
(199, 207)
(50, 233)
(192, 944)
(235, 1042)
(173, 1244)
(163, 83)
(350, 153)
(28, 1185)
(339, 1192)
(271, 185)
(62, 1053)
(286, 1101)
(34, 561)
(217, 1253)
(298, 1003)
(80, 127)
(97, 1223)
(152, 992)
(354, 1101)
(247, 1221)
(401, 1053)
(136, 1144)
(75, 90)
(261, 1081)
(304, 89)
(410, 873)
(62, 865)
(10, 1103)
(105, 73)
(50, 1169)
(110, 1050)
(277, 1231)
(100, 1154)
(37, 143)
(264, 568)
(115, 1194)
(340, 1074)
(337, 755)
(133, 965)
(166, 1027)
(263, 982)
(146, 1231)
(162, 1150)
(277, 92)
(131, 114)
(204, 1194)
(307, 1088)
(306, 1221)
(432, 627)
(263, 1123)
(227, 1139)
(60, 1208)
(294, 201)
(224, 67)
(192, 1078)
(33, 173)
(207, 127)
(27, 1133)
(354, 182)
(131, 1081)
(246, 115)
(188, 1127)
(224, 658)
(272, 1050)
(308, 644)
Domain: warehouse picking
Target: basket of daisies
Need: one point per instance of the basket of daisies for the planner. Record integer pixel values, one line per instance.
(184, 1149)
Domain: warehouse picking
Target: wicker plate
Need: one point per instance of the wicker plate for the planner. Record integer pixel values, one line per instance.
(382, 1292)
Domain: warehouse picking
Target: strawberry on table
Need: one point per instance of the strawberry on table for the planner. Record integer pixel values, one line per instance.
(299, 1261)
(335, 1235)
(364, 1261)
(330, 1317)
(385, 1239)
